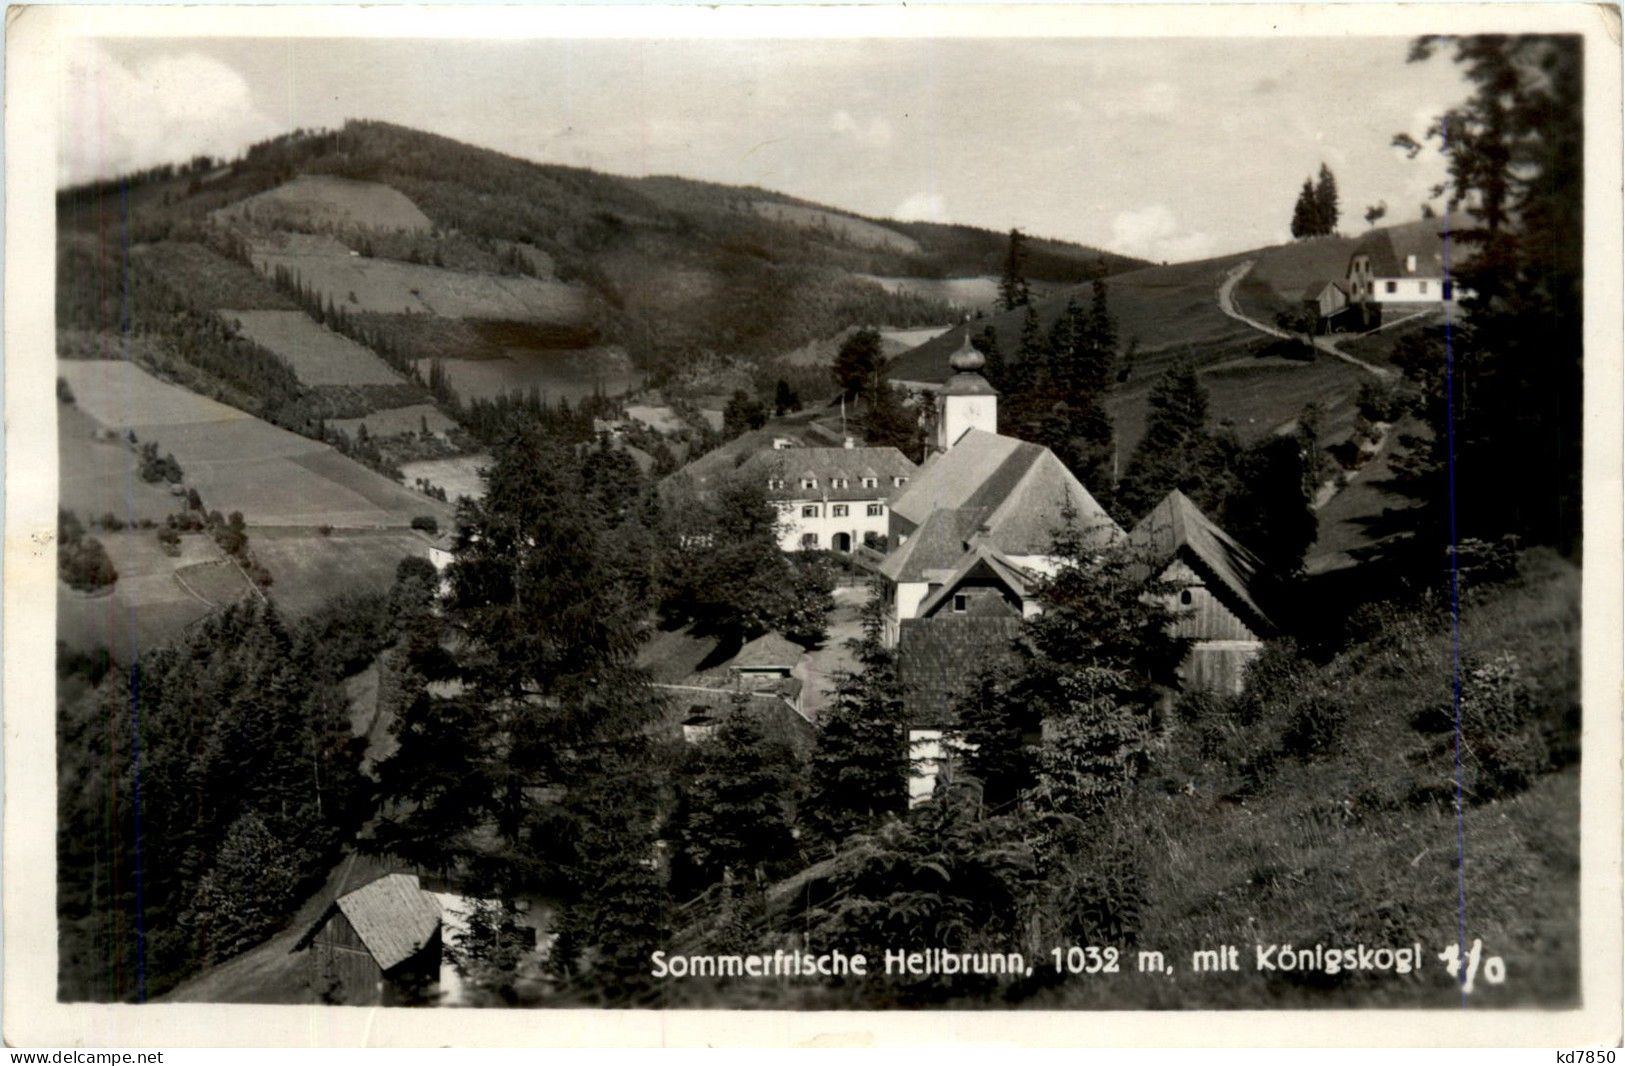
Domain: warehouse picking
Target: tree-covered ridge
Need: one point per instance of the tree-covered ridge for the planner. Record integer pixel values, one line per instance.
(769, 285)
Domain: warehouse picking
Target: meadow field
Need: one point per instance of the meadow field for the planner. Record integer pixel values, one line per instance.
(394, 421)
(237, 462)
(321, 201)
(856, 231)
(459, 476)
(317, 354)
(388, 286)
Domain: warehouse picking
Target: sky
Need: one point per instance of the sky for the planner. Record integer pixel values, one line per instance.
(1167, 149)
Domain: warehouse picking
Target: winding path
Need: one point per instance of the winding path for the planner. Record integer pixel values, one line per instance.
(1227, 304)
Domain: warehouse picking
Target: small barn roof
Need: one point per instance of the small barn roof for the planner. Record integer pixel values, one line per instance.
(1176, 527)
(392, 915)
(1319, 286)
(767, 651)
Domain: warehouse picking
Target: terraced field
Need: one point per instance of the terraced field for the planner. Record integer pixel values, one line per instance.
(239, 463)
(317, 354)
(319, 200)
(156, 597)
(388, 286)
(396, 420)
(459, 476)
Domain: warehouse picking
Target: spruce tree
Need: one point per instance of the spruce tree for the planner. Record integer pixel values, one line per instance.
(1304, 220)
(860, 764)
(734, 793)
(1013, 290)
(1175, 448)
(1325, 201)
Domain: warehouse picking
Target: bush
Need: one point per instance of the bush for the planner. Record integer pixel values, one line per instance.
(84, 565)
(1380, 401)
(1501, 741)
(1315, 726)
(427, 523)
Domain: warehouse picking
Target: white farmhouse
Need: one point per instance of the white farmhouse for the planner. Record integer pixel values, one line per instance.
(1409, 264)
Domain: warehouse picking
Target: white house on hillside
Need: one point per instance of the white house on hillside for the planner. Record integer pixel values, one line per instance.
(1409, 264)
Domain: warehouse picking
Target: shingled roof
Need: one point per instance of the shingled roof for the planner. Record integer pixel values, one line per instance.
(938, 657)
(394, 918)
(1176, 527)
(1015, 492)
(826, 466)
(1427, 239)
(979, 562)
(768, 651)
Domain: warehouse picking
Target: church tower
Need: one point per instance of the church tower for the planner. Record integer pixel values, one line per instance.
(967, 401)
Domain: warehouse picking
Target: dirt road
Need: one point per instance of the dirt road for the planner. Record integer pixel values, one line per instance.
(1227, 304)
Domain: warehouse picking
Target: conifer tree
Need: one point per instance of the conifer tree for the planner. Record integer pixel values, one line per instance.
(734, 791)
(1305, 222)
(860, 764)
(1325, 201)
(1013, 290)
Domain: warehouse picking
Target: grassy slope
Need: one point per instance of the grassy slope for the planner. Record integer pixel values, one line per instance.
(1359, 844)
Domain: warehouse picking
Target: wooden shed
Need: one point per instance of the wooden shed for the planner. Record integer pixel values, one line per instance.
(1220, 589)
(377, 946)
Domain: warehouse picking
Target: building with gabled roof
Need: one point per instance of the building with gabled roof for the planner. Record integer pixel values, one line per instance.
(377, 945)
(1221, 590)
(832, 498)
(1411, 263)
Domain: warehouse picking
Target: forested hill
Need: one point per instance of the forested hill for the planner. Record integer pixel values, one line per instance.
(672, 270)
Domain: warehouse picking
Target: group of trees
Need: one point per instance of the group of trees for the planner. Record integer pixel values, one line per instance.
(888, 418)
(1262, 494)
(204, 787)
(722, 569)
(1315, 212)
(82, 561)
(1500, 392)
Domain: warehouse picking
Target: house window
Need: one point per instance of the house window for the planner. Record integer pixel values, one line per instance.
(809, 483)
(1448, 289)
(810, 511)
(775, 483)
(1424, 288)
(838, 483)
(876, 510)
(1185, 597)
(871, 482)
(898, 481)
(1390, 286)
(809, 540)
(961, 601)
(840, 510)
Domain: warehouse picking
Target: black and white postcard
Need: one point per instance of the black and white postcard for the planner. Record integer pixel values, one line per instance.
(716, 516)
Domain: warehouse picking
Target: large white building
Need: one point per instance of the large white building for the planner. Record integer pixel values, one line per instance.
(832, 498)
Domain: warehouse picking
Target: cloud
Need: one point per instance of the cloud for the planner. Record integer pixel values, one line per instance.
(1157, 100)
(1153, 233)
(166, 108)
(877, 133)
(922, 207)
